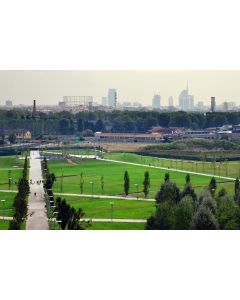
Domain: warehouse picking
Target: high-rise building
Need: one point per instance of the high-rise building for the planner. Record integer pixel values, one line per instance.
(200, 105)
(8, 103)
(170, 102)
(213, 104)
(156, 101)
(104, 101)
(225, 106)
(186, 101)
(112, 98)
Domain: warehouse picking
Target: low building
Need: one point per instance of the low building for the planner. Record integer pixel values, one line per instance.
(128, 137)
(21, 134)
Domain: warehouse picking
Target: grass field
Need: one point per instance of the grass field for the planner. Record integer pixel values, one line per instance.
(122, 209)
(116, 226)
(10, 167)
(6, 209)
(4, 224)
(113, 177)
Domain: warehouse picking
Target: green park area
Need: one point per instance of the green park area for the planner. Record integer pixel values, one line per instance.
(73, 173)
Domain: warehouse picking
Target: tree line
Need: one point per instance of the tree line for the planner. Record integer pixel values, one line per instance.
(66, 215)
(184, 210)
(64, 123)
(20, 200)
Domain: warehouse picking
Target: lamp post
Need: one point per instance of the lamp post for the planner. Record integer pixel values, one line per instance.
(111, 203)
(91, 182)
(136, 185)
(3, 204)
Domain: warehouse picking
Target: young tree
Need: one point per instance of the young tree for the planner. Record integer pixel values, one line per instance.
(102, 184)
(12, 138)
(74, 220)
(126, 183)
(188, 189)
(212, 186)
(236, 189)
(81, 183)
(228, 214)
(146, 184)
(187, 178)
(167, 177)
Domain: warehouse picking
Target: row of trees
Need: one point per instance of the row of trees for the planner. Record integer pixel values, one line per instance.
(177, 209)
(146, 183)
(67, 216)
(20, 200)
(116, 121)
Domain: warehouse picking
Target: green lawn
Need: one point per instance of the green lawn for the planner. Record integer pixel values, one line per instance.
(113, 177)
(122, 209)
(10, 167)
(6, 208)
(116, 226)
(4, 224)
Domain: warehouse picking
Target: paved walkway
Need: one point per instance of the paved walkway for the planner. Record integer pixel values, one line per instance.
(37, 218)
(104, 196)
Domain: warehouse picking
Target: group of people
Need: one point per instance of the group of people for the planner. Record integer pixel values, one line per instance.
(37, 181)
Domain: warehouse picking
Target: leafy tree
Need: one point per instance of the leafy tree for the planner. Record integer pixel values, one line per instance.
(184, 213)
(204, 219)
(188, 179)
(126, 183)
(167, 177)
(163, 218)
(168, 192)
(74, 220)
(146, 183)
(228, 214)
(236, 189)
(188, 189)
(14, 224)
(64, 212)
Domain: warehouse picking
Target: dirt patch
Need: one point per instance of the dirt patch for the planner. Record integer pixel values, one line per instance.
(69, 161)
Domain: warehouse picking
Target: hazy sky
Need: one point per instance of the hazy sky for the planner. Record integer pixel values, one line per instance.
(48, 87)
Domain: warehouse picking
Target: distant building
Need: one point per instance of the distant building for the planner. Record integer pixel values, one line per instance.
(137, 104)
(170, 102)
(126, 104)
(200, 105)
(156, 101)
(225, 106)
(104, 101)
(186, 101)
(112, 98)
(213, 104)
(21, 134)
(128, 137)
(8, 104)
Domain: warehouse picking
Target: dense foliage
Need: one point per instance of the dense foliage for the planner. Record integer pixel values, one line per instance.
(184, 210)
(116, 121)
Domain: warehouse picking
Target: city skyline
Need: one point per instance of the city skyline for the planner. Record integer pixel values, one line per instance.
(49, 87)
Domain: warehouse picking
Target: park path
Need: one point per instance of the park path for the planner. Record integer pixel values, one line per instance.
(37, 217)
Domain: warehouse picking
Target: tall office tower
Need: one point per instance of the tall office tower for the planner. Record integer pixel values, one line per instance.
(170, 102)
(104, 101)
(213, 104)
(156, 101)
(186, 101)
(200, 105)
(112, 98)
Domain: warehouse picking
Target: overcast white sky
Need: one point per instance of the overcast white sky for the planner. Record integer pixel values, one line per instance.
(48, 87)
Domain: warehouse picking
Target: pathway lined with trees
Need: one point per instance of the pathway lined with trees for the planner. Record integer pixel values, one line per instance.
(37, 218)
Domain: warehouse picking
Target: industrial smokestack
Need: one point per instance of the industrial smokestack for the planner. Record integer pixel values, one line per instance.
(34, 108)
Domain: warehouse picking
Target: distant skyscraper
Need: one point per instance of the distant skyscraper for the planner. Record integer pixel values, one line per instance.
(112, 97)
(8, 103)
(156, 101)
(200, 105)
(170, 102)
(213, 104)
(186, 101)
(225, 106)
(104, 101)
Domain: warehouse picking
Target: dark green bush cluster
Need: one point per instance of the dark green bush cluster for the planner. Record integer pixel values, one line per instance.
(184, 210)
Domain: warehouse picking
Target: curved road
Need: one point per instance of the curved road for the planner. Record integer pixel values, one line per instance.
(37, 217)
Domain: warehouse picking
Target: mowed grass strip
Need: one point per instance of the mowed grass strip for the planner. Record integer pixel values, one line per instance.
(113, 174)
(10, 166)
(116, 226)
(4, 224)
(122, 209)
(6, 209)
